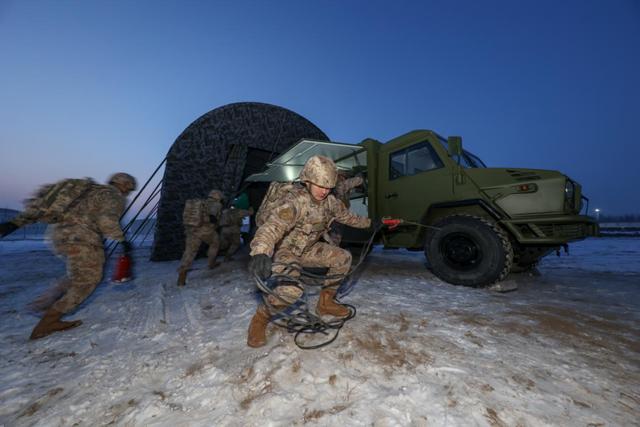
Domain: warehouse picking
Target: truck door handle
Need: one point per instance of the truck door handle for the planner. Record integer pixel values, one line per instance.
(390, 195)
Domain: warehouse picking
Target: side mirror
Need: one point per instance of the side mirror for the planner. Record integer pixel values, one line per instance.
(455, 145)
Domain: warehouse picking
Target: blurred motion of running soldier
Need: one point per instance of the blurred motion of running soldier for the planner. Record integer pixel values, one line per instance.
(83, 213)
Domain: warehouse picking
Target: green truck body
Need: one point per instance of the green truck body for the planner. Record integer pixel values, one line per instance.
(475, 224)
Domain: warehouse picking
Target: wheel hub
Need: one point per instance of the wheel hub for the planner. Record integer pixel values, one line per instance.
(460, 251)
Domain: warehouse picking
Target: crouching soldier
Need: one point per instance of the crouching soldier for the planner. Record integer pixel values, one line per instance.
(83, 213)
(291, 234)
(200, 218)
(230, 230)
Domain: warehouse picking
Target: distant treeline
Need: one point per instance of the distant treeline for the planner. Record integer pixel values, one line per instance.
(620, 218)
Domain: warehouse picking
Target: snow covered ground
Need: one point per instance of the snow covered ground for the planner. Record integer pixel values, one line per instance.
(620, 229)
(561, 350)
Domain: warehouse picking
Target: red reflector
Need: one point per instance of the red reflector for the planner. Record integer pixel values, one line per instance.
(391, 223)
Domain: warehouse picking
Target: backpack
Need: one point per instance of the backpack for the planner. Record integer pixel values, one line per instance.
(194, 211)
(51, 202)
(226, 219)
(275, 194)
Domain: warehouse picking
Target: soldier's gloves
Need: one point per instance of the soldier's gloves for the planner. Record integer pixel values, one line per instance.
(213, 219)
(260, 265)
(126, 247)
(7, 228)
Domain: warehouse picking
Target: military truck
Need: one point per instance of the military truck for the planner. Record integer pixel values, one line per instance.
(475, 224)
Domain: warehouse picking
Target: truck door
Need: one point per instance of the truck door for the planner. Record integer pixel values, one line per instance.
(412, 176)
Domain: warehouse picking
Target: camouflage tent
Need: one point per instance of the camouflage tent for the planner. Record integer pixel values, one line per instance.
(219, 150)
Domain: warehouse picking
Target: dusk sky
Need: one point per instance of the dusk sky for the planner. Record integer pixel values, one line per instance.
(88, 88)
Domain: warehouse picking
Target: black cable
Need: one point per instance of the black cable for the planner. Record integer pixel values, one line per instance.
(143, 187)
(144, 239)
(295, 316)
(144, 222)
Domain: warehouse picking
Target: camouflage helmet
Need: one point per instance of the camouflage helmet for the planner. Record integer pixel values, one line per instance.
(123, 180)
(216, 195)
(321, 171)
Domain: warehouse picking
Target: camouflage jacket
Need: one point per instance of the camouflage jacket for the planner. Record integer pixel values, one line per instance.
(232, 218)
(300, 222)
(94, 217)
(208, 208)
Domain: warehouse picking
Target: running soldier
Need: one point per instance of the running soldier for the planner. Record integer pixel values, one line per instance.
(230, 230)
(78, 236)
(200, 218)
(291, 234)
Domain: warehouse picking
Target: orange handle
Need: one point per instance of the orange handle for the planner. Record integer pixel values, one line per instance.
(391, 223)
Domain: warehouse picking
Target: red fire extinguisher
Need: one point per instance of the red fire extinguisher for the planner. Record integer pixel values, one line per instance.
(122, 272)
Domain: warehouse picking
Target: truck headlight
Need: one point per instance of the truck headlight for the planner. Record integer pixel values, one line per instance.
(570, 193)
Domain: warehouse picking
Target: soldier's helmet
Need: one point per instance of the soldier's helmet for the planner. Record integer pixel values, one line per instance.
(216, 195)
(321, 171)
(124, 180)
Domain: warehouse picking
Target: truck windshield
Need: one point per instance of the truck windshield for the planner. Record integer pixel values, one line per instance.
(475, 160)
(467, 160)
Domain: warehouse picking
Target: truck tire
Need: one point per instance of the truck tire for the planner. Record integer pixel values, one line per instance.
(468, 250)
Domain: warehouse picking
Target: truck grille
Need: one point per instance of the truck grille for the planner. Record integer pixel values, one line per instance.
(560, 230)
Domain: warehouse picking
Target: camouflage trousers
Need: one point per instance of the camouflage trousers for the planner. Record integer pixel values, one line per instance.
(230, 241)
(84, 271)
(195, 237)
(321, 254)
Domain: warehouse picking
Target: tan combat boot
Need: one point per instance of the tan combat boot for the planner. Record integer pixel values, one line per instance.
(212, 263)
(257, 336)
(182, 277)
(327, 304)
(50, 323)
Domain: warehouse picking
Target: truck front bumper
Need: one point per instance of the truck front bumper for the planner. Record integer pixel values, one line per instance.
(554, 230)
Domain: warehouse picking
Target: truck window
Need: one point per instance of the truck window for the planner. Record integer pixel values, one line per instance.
(475, 160)
(413, 160)
(467, 160)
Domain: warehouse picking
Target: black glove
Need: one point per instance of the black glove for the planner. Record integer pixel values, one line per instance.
(260, 265)
(213, 219)
(126, 247)
(7, 228)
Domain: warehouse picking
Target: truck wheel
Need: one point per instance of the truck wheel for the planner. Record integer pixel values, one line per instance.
(468, 250)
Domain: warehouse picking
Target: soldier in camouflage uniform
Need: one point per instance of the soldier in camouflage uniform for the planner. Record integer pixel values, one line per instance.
(230, 230)
(78, 237)
(291, 234)
(343, 189)
(205, 232)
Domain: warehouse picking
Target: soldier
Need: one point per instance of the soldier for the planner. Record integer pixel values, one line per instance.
(230, 229)
(343, 189)
(291, 234)
(78, 236)
(200, 218)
